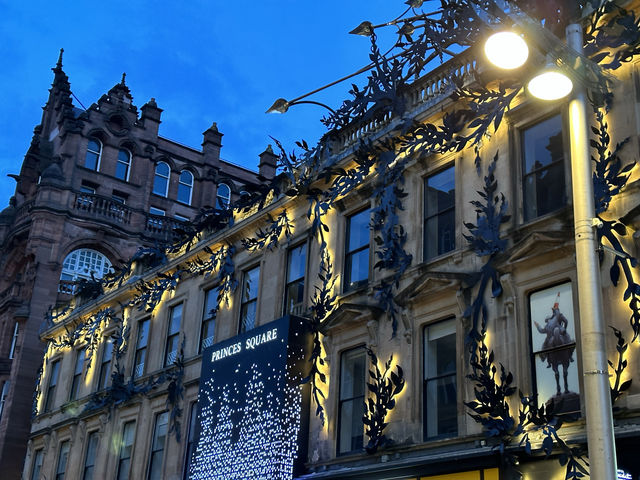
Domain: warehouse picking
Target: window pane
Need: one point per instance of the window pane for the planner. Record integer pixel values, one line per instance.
(184, 187)
(297, 262)
(353, 365)
(248, 316)
(358, 230)
(441, 412)
(90, 459)
(357, 268)
(190, 439)
(440, 192)
(62, 460)
(126, 446)
(223, 196)
(440, 391)
(543, 144)
(37, 465)
(157, 447)
(439, 207)
(543, 166)
(92, 159)
(161, 179)
(143, 333)
(250, 287)
(176, 317)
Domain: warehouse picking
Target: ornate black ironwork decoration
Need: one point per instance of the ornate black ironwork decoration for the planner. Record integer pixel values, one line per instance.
(484, 239)
(150, 293)
(619, 387)
(269, 237)
(322, 305)
(491, 406)
(610, 177)
(383, 386)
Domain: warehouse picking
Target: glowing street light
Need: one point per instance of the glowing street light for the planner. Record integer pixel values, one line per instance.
(506, 50)
(550, 84)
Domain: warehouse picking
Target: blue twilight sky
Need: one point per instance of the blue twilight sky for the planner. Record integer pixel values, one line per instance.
(203, 61)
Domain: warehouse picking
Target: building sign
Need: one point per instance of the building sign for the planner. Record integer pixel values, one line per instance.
(251, 407)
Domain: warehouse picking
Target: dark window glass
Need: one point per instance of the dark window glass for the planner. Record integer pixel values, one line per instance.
(440, 394)
(190, 439)
(439, 213)
(185, 187)
(249, 299)
(105, 365)
(90, 458)
(94, 150)
(223, 196)
(14, 340)
(353, 368)
(38, 459)
(543, 165)
(356, 271)
(4, 394)
(208, 330)
(126, 450)
(77, 375)
(63, 456)
(51, 389)
(173, 335)
(161, 179)
(123, 165)
(294, 289)
(157, 446)
(142, 343)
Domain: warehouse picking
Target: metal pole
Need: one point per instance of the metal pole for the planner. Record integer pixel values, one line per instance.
(599, 419)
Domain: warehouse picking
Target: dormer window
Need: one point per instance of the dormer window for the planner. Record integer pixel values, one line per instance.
(123, 167)
(223, 196)
(185, 187)
(161, 179)
(94, 152)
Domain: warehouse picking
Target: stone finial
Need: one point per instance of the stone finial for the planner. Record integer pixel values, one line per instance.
(59, 64)
(124, 75)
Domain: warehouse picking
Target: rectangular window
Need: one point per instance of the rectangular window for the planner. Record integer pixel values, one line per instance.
(38, 459)
(208, 329)
(543, 168)
(440, 391)
(157, 446)
(77, 375)
(353, 368)
(173, 335)
(356, 270)
(51, 389)
(14, 340)
(249, 302)
(156, 211)
(105, 365)
(126, 450)
(3, 395)
(141, 348)
(439, 213)
(191, 438)
(294, 289)
(63, 455)
(90, 457)
(553, 348)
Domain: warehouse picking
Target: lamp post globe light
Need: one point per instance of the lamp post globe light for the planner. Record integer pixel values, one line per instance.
(553, 84)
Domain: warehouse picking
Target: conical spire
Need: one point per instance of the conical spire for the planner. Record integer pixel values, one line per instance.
(59, 64)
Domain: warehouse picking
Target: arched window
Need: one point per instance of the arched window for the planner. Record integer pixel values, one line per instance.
(185, 187)
(94, 151)
(123, 167)
(82, 263)
(161, 179)
(223, 196)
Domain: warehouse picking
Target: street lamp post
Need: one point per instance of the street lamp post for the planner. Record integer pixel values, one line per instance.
(599, 418)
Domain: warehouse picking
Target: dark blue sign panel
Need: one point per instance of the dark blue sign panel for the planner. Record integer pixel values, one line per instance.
(251, 406)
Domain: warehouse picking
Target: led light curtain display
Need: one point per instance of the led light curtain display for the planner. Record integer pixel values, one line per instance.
(251, 404)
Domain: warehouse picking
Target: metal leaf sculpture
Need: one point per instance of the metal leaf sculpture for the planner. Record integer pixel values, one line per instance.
(383, 387)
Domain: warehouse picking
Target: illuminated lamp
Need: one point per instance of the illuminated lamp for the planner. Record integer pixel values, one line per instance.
(506, 50)
(551, 84)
